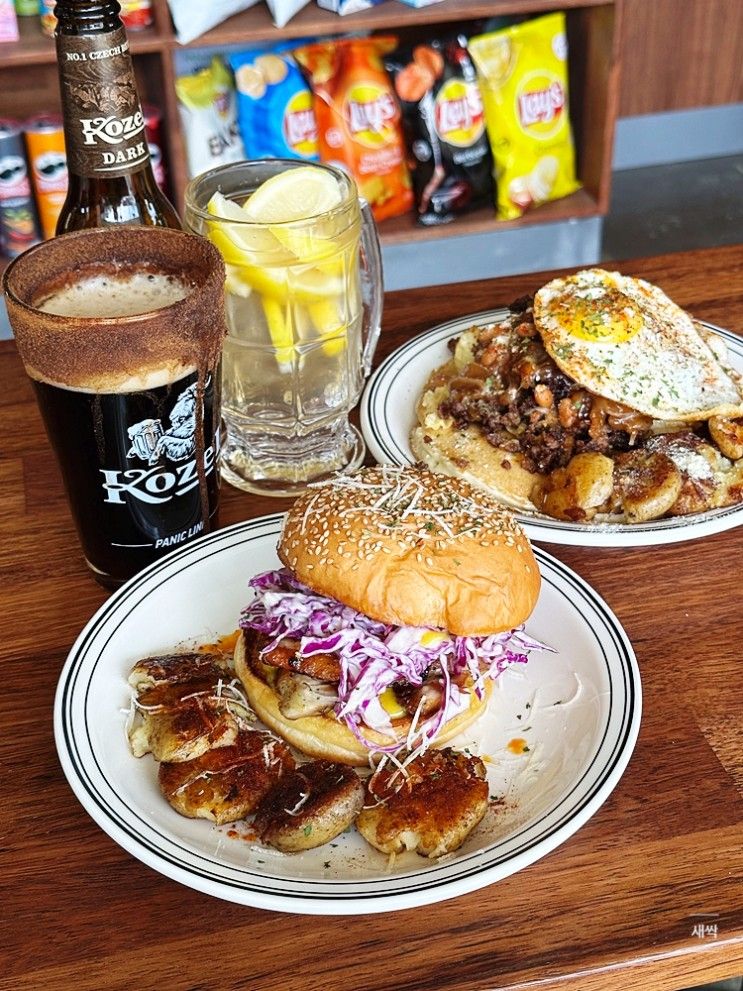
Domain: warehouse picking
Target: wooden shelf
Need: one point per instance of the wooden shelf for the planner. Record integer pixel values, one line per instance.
(594, 66)
(35, 48)
(255, 24)
(400, 230)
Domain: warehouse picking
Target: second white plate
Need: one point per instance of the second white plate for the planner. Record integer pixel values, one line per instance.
(388, 417)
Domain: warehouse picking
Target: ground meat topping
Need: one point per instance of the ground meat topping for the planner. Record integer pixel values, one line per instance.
(523, 403)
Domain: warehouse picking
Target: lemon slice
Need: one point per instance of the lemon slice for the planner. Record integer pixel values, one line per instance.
(280, 330)
(246, 237)
(310, 285)
(234, 282)
(296, 194)
(331, 327)
(280, 283)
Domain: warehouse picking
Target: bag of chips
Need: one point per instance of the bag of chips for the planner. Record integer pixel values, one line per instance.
(193, 17)
(358, 118)
(445, 128)
(274, 105)
(206, 101)
(282, 11)
(524, 80)
(347, 6)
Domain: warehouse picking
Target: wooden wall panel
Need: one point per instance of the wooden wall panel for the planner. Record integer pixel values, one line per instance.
(678, 54)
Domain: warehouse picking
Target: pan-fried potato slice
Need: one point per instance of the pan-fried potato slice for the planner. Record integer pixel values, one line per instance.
(577, 491)
(227, 783)
(185, 705)
(728, 435)
(430, 807)
(649, 484)
(310, 806)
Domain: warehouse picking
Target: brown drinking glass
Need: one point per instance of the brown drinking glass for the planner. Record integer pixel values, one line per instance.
(120, 331)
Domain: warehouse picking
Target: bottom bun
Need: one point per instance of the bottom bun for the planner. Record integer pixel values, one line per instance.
(325, 736)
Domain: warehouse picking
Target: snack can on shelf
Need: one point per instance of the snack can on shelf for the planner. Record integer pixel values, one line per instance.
(136, 14)
(48, 20)
(48, 163)
(18, 229)
(154, 133)
(26, 8)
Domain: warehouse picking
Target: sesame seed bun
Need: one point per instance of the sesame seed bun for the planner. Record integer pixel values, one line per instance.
(412, 548)
(324, 736)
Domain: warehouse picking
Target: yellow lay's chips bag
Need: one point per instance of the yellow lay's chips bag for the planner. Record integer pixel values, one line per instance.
(524, 82)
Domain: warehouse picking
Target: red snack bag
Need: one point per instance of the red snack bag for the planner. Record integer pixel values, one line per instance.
(358, 118)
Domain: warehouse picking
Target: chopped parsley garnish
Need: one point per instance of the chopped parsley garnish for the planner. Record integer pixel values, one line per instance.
(564, 350)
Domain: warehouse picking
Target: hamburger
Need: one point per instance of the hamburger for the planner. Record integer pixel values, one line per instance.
(598, 398)
(403, 595)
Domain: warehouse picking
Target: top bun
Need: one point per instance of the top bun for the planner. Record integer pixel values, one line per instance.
(412, 548)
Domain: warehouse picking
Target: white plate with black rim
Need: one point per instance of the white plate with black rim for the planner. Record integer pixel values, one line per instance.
(556, 739)
(388, 417)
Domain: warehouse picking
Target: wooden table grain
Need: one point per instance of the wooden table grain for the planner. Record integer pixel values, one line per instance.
(614, 907)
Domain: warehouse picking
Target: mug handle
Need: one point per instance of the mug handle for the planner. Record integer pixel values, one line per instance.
(372, 289)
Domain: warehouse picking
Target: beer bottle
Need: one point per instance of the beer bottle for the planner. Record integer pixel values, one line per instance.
(110, 175)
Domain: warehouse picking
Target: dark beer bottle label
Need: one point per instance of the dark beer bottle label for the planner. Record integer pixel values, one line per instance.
(104, 125)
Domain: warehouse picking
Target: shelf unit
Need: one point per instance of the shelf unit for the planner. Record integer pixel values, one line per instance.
(28, 84)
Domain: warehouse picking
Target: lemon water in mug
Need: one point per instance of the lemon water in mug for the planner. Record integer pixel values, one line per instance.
(303, 294)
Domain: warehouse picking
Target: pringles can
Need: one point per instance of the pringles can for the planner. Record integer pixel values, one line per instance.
(46, 157)
(18, 229)
(154, 133)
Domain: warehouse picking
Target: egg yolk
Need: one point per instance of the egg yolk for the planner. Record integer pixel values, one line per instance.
(609, 318)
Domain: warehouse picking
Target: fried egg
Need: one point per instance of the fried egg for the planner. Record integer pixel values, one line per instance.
(625, 340)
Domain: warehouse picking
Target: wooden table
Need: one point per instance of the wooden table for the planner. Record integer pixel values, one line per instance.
(614, 907)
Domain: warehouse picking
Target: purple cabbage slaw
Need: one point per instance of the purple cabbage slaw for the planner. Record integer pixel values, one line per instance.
(374, 655)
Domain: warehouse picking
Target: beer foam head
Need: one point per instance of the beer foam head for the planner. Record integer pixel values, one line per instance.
(87, 315)
(115, 295)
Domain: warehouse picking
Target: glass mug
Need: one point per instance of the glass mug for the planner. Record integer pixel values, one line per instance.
(304, 305)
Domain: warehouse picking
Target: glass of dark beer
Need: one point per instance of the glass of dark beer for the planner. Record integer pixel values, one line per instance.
(120, 331)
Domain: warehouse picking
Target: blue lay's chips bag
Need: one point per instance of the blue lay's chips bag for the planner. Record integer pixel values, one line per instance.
(274, 105)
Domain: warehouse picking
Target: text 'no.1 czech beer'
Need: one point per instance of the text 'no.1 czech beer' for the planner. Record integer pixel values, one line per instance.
(110, 174)
(121, 332)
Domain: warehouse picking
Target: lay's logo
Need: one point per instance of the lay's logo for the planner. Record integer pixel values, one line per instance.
(459, 113)
(300, 125)
(371, 113)
(541, 106)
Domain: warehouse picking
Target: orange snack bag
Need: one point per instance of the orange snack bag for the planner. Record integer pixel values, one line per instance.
(358, 118)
